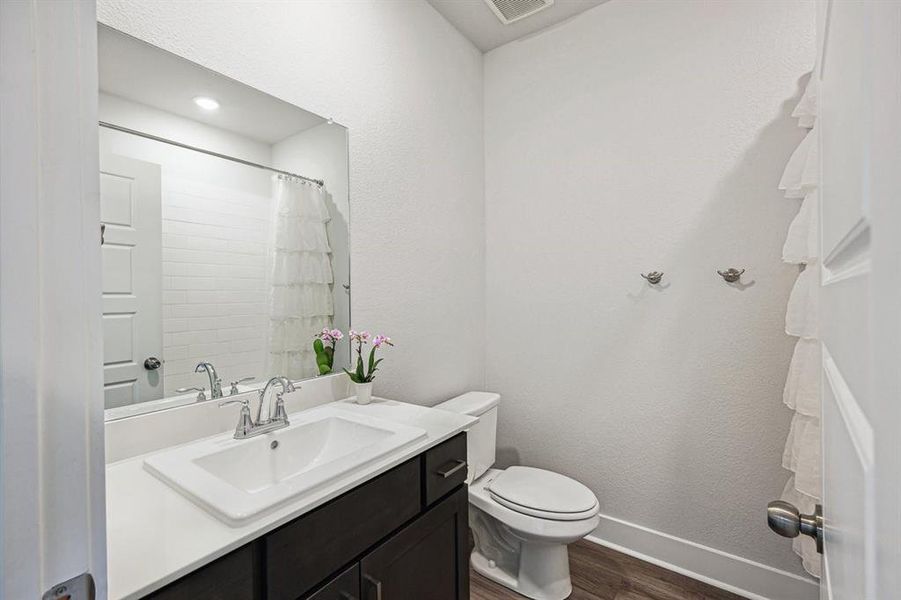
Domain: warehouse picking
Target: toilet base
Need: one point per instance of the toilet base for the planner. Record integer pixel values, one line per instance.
(543, 571)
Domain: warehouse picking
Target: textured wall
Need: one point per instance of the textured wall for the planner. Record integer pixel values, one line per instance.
(647, 136)
(409, 88)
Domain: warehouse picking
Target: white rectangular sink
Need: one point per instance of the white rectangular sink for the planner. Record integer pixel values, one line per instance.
(238, 480)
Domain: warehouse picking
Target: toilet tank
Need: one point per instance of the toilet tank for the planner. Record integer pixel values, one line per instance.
(482, 436)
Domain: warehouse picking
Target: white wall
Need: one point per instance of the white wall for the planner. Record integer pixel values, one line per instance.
(647, 136)
(409, 88)
(215, 226)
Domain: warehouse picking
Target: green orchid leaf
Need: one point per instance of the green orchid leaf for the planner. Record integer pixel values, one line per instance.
(375, 366)
(361, 376)
(371, 361)
(353, 376)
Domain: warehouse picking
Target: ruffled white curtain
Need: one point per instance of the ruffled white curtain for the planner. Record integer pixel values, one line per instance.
(803, 450)
(300, 298)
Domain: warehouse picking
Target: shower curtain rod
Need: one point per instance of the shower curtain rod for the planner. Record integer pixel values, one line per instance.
(157, 138)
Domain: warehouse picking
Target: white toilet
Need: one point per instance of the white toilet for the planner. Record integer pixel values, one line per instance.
(522, 518)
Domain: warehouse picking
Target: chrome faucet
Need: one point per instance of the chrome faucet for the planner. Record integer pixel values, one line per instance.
(201, 397)
(215, 382)
(287, 386)
(247, 426)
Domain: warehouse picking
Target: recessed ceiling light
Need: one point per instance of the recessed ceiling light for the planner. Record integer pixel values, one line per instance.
(206, 103)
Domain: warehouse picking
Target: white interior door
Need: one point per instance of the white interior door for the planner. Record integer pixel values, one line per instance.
(131, 263)
(52, 515)
(859, 120)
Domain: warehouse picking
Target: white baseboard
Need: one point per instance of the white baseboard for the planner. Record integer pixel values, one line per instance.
(726, 571)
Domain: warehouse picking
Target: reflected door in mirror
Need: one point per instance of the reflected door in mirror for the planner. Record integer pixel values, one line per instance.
(131, 259)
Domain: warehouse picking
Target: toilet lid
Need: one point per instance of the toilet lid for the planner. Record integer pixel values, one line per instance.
(543, 494)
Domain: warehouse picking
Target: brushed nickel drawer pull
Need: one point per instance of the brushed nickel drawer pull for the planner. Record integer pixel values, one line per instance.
(447, 472)
(377, 584)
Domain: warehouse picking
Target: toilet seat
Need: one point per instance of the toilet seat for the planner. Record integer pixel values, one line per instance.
(543, 494)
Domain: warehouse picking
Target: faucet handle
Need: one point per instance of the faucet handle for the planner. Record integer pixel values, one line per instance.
(201, 396)
(280, 413)
(243, 401)
(234, 391)
(245, 421)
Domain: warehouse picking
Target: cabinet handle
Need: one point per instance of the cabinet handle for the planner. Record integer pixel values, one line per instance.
(377, 584)
(448, 471)
(348, 596)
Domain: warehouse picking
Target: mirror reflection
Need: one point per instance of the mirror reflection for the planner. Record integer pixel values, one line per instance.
(224, 218)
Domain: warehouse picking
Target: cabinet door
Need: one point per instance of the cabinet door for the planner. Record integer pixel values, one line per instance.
(427, 559)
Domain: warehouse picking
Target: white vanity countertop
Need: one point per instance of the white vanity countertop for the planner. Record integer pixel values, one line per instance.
(155, 535)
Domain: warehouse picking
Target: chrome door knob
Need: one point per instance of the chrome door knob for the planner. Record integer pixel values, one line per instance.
(786, 520)
(152, 363)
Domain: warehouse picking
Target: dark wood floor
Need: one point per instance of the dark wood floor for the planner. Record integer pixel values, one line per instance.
(599, 573)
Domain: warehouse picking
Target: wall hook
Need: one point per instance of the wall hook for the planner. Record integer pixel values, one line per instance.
(653, 277)
(731, 275)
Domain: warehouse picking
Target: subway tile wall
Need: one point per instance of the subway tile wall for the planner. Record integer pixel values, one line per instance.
(215, 290)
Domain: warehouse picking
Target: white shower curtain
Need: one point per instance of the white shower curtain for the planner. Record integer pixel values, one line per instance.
(300, 299)
(803, 450)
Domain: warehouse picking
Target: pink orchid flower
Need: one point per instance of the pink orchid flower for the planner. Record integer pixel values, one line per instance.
(381, 339)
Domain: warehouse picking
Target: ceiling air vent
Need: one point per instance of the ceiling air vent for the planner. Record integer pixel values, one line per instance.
(509, 11)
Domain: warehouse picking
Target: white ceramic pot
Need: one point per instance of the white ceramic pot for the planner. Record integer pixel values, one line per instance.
(364, 392)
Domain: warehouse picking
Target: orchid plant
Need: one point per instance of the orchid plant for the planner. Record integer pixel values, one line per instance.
(361, 338)
(324, 347)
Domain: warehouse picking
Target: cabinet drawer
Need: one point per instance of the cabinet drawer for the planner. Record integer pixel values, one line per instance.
(345, 586)
(444, 468)
(305, 552)
(228, 578)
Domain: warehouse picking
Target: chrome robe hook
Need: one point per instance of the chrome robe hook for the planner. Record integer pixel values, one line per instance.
(731, 275)
(653, 277)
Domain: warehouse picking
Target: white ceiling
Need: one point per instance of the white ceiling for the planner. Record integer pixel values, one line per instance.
(477, 22)
(143, 73)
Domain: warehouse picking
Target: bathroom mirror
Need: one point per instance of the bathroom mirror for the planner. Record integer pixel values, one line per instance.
(224, 226)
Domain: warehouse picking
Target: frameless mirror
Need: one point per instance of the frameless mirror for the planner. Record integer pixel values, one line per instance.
(224, 225)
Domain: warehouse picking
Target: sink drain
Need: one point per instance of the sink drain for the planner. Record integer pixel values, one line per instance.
(274, 444)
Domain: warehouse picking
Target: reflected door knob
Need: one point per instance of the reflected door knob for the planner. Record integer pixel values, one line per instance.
(786, 520)
(152, 363)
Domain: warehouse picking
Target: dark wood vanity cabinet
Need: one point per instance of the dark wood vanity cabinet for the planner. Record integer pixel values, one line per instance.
(400, 536)
(426, 559)
(303, 553)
